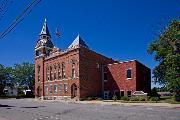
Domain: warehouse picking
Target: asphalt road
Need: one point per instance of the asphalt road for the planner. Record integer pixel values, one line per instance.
(24, 109)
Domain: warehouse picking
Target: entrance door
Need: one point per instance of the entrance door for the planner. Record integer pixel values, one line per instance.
(73, 90)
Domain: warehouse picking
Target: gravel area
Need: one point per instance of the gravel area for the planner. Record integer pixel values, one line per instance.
(27, 109)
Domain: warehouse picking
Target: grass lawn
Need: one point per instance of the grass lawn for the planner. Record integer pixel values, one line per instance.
(166, 99)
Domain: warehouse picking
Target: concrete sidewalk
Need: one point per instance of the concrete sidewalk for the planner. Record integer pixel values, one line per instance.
(130, 104)
(113, 103)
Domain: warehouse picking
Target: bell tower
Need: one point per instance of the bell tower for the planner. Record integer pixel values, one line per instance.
(42, 49)
(44, 44)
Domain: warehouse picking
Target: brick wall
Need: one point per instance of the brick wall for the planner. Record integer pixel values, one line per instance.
(65, 58)
(90, 69)
(143, 78)
(39, 77)
(117, 77)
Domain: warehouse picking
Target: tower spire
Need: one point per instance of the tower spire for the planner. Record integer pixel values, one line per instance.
(45, 30)
(44, 37)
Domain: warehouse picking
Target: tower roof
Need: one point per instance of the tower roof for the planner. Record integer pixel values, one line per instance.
(78, 42)
(45, 30)
(45, 37)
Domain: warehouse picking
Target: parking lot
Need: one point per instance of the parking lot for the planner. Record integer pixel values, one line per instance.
(29, 109)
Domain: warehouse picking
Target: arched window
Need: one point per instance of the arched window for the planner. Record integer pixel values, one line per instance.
(38, 69)
(50, 72)
(46, 73)
(54, 72)
(63, 70)
(59, 71)
(73, 70)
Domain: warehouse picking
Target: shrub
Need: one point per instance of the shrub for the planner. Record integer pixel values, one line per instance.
(125, 98)
(114, 97)
(154, 99)
(20, 96)
(89, 98)
(99, 98)
(134, 99)
(142, 99)
(177, 95)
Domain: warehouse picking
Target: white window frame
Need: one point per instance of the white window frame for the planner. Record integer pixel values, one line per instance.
(46, 89)
(65, 88)
(55, 90)
(50, 90)
(60, 87)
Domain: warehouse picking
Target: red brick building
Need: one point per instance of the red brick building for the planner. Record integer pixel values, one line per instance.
(79, 72)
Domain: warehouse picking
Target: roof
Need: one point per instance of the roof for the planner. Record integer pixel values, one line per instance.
(78, 42)
(46, 39)
(45, 30)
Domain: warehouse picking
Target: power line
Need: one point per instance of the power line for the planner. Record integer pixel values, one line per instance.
(20, 18)
(4, 6)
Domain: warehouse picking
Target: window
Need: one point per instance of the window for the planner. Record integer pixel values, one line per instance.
(39, 68)
(54, 72)
(46, 90)
(39, 78)
(38, 53)
(105, 76)
(61, 87)
(50, 73)
(97, 65)
(128, 75)
(73, 73)
(44, 37)
(55, 88)
(63, 71)
(50, 89)
(65, 88)
(46, 74)
(73, 69)
(122, 93)
(129, 93)
(59, 71)
(47, 52)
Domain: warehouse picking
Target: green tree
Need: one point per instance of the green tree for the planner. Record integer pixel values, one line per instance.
(4, 77)
(23, 75)
(166, 50)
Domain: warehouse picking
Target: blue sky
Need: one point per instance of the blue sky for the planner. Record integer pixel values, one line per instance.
(120, 29)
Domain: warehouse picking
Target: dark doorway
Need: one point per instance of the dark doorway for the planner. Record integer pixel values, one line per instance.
(39, 90)
(73, 90)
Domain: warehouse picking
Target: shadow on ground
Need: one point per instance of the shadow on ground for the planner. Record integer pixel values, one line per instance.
(33, 107)
(5, 105)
